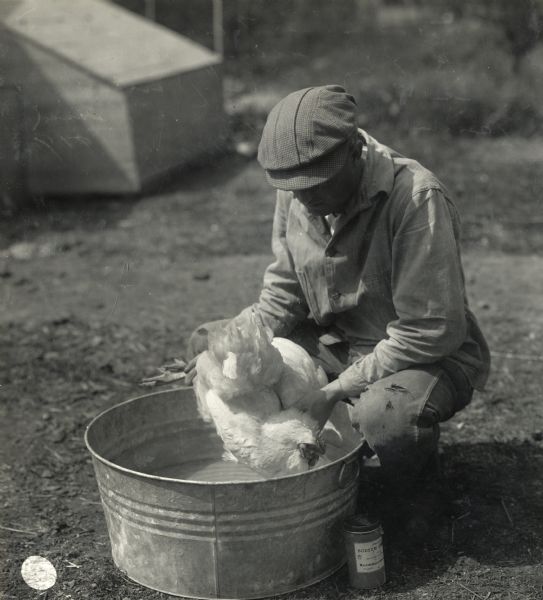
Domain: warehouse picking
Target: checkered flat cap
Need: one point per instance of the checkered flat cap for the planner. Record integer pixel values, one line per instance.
(304, 141)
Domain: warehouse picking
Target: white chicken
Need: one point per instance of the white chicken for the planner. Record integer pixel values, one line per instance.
(247, 385)
(300, 375)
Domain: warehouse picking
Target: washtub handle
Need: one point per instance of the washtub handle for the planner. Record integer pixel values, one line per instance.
(348, 474)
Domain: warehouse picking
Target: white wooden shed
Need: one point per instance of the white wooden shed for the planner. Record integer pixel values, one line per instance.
(111, 101)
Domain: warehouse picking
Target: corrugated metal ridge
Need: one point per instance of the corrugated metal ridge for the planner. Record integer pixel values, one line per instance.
(210, 534)
(168, 514)
(302, 504)
(198, 524)
(150, 527)
(282, 528)
(232, 516)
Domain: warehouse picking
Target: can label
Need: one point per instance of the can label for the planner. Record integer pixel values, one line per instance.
(369, 556)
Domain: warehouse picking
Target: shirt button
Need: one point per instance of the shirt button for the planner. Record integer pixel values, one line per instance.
(336, 296)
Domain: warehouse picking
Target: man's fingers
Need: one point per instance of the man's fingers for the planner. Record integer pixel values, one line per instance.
(191, 365)
(190, 370)
(177, 365)
(189, 376)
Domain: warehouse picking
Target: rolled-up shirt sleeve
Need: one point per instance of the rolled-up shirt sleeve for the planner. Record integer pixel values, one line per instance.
(281, 304)
(427, 291)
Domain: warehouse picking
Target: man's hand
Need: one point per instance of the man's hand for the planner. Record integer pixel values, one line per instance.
(190, 370)
(316, 405)
(319, 404)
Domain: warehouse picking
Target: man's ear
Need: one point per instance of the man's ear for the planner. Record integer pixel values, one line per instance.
(357, 147)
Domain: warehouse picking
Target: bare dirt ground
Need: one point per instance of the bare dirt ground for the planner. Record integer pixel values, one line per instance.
(95, 294)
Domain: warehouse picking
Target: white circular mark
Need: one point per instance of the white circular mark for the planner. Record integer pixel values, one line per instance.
(39, 573)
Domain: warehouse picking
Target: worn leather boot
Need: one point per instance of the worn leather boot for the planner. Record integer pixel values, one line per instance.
(410, 509)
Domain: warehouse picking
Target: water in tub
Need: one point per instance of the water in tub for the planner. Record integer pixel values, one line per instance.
(192, 451)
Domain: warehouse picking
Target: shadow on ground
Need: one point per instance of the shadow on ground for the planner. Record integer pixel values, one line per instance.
(498, 491)
(52, 214)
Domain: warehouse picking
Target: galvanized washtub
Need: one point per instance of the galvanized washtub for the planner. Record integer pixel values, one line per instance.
(177, 526)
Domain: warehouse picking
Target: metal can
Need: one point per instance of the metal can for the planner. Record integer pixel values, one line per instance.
(365, 555)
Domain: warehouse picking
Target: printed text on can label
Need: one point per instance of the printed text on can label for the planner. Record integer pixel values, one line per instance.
(369, 556)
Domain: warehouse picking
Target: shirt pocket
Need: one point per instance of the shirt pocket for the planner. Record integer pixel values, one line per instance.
(375, 298)
(309, 294)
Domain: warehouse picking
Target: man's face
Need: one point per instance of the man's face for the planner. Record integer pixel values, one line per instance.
(333, 195)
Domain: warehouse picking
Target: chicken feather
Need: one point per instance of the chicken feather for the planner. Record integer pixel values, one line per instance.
(247, 385)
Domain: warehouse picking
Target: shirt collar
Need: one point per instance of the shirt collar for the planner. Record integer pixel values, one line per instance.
(377, 178)
(378, 174)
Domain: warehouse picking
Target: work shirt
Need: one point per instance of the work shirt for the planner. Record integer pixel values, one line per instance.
(387, 279)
